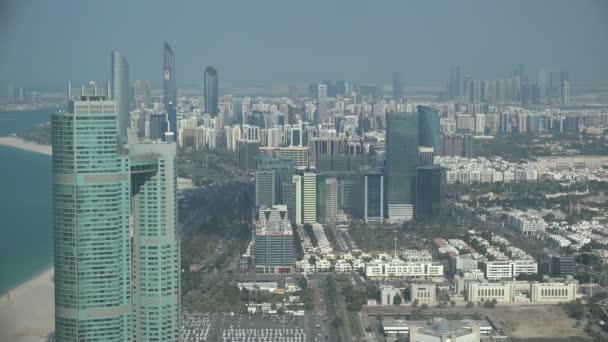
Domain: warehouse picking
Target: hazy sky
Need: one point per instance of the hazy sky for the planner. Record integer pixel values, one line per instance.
(50, 42)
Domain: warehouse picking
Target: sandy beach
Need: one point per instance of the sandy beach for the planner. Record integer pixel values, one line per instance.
(27, 311)
(26, 145)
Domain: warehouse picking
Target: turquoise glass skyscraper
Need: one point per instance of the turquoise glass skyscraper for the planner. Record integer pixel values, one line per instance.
(115, 227)
(91, 190)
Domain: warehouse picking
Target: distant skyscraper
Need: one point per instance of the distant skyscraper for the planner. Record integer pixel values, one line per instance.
(10, 96)
(428, 127)
(401, 164)
(120, 92)
(142, 94)
(430, 192)
(211, 91)
(455, 83)
(322, 111)
(169, 88)
(566, 93)
(397, 92)
(91, 221)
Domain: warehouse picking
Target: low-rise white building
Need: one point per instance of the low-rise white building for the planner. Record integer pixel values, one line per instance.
(399, 268)
(509, 269)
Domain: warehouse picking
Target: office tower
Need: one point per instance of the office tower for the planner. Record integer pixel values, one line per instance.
(274, 250)
(169, 89)
(428, 127)
(401, 164)
(373, 196)
(454, 85)
(157, 126)
(566, 93)
(247, 150)
(430, 192)
(156, 251)
(120, 92)
(282, 171)
(322, 111)
(211, 91)
(142, 94)
(563, 265)
(92, 245)
(331, 200)
(265, 188)
(397, 92)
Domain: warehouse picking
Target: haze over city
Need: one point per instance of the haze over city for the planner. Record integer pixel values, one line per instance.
(311, 171)
(47, 43)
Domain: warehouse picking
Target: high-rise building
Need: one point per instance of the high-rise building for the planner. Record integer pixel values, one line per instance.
(211, 91)
(401, 164)
(247, 150)
(428, 127)
(331, 200)
(142, 94)
(120, 92)
(155, 300)
(455, 83)
(397, 92)
(265, 188)
(11, 95)
(274, 244)
(430, 192)
(373, 196)
(305, 194)
(92, 245)
(113, 281)
(480, 123)
(566, 93)
(322, 111)
(169, 89)
(281, 170)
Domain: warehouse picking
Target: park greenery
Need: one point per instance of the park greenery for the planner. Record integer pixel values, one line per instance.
(208, 166)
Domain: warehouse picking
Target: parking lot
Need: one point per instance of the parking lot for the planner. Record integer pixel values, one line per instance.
(251, 328)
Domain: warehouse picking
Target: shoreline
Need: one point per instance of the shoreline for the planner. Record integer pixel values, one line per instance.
(18, 143)
(27, 310)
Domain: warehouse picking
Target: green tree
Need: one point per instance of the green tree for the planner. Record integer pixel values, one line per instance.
(397, 300)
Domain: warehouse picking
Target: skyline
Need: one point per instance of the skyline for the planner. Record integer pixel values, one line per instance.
(278, 43)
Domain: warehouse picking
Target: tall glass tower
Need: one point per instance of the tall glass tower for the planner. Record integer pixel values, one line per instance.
(211, 91)
(92, 249)
(117, 260)
(397, 92)
(120, 92)
(169, 89)
(428, 128)
(156, 256)
(401, 164)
